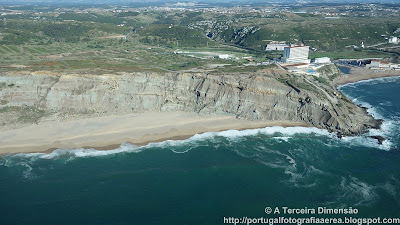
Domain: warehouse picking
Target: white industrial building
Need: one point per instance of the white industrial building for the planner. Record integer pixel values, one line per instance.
(393, 40)
(376, 64)
(296, 54)
(225, 56)
(322, 60)
(276, 46)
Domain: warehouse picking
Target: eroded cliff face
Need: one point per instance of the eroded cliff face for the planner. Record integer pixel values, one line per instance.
(265, 95)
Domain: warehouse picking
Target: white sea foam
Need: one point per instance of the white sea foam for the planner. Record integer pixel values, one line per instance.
(295, 130)
(372, 81)
(81, 152)
(27, 173)
(391, 186)
(386, 130)
(271, 165)
(361, 193)
(370, 109)
(307, 177)
(269, 157)
(390, 189)
(317, 171)
(288, 131)
(386, 103)
(358, 192)
(366, 142)
(236, 135)
(28, 155)
(285, 139)
(182, 152)
(388, 126)
(232, 135)
(287, 161)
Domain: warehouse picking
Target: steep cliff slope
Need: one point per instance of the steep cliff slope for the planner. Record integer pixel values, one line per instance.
(265, 95)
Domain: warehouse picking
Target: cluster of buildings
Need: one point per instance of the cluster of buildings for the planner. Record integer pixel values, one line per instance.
(294, 54)
(299, 55)
(295, 58)
(378, 65)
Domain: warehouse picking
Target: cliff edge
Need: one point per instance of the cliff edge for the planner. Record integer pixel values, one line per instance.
(269, 94)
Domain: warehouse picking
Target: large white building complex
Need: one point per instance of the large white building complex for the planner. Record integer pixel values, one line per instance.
(296, 54)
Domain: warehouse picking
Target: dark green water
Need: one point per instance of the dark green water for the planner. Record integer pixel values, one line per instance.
(343, 69)
(209, 176)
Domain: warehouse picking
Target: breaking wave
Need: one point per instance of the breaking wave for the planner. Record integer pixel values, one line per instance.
(373, 81)
(389, 126)
(231, 135)
(231, 138)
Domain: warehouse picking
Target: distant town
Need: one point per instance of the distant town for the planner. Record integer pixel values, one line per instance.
(192, 36)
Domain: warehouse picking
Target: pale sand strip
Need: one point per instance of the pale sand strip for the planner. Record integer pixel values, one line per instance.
(111, 131)
(358, 74)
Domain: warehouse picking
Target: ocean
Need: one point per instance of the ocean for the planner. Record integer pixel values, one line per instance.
(213, 176)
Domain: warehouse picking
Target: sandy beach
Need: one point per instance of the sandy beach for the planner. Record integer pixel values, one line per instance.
(358, 74)
(109, 132)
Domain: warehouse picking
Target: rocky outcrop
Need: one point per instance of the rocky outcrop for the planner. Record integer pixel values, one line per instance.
(264, 95)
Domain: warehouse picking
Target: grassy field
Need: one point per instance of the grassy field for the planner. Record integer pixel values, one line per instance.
(97, 42)
(126, 56)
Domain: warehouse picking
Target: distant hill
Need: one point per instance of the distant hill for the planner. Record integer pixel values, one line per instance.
(161, 2)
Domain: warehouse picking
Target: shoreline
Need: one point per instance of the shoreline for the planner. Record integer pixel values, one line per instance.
(109, 132)
(358, 74)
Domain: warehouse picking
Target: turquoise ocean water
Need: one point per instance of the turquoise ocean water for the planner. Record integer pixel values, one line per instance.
(210, 176)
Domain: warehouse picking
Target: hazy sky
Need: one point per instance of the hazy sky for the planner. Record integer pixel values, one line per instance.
(210, 1)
